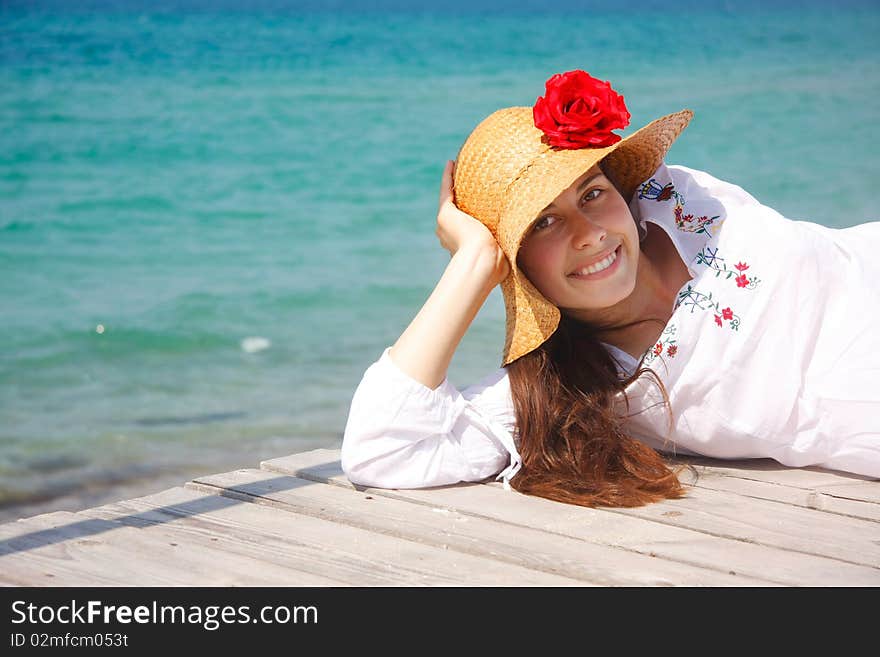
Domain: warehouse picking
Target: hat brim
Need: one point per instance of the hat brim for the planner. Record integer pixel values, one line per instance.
(531, 318)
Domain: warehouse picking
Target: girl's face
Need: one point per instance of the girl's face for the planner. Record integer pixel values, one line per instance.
(583, 251)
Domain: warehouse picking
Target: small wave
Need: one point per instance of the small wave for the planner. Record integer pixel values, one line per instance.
(190, 419)
(27, 496)
(146, 202)
(17, 226)
(255, 343)
(56, 463)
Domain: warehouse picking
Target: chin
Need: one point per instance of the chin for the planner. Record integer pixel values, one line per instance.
(618, 294)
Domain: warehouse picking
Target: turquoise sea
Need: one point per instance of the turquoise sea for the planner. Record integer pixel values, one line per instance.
(215, 215)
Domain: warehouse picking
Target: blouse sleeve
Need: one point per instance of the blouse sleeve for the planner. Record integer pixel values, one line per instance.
(403, 434)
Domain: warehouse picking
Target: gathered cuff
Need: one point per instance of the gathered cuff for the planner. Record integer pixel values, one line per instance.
(506, 439)
(449, 404)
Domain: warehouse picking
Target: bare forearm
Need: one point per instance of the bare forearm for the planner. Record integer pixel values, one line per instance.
(426, 347)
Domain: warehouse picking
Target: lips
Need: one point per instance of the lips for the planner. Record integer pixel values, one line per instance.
(597, 265)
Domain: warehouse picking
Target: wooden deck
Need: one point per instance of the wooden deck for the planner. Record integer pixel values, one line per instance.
(297, 521)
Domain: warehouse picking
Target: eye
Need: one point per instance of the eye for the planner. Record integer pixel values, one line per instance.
(591, 195)
(544, 222)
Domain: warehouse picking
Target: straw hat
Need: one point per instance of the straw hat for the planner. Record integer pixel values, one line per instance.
(509, 169)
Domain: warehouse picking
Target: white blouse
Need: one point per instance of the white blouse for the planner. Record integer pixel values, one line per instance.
(772, 351)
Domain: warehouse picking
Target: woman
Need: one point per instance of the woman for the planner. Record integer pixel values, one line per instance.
(649, 307)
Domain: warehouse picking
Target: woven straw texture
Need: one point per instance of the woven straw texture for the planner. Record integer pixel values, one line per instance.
(506, 174)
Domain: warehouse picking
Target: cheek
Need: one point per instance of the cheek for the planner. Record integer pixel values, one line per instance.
(632, 230)
(624, 221)
(540, 262)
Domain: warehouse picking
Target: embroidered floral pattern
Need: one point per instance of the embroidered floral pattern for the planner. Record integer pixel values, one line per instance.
(709, 257)
(666, 343)
(653, 190)
(693, 299)
(721, 315)
(687, 223)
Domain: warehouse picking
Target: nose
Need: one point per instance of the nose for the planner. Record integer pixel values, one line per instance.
(587, 233)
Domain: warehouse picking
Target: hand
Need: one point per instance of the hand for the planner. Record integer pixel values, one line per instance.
(457, 230)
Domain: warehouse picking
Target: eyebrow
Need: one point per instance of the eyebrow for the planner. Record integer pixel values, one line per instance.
(582, 185)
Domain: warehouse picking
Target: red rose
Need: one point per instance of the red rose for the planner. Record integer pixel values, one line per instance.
(727, 313)
(579, 111)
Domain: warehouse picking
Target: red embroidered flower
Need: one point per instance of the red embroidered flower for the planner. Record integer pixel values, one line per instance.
(741, 266)
(680, 218)
(658, 348)
(579, 111)
(718, 320)
(672, 350)
(741, 280)
(727, 313)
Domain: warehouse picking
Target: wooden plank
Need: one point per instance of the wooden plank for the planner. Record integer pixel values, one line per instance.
(757, 527)
(849, 539)
(766, 522)
(69, 549)
(347, 554)
(512, 544)
(866, 491)
(669, 534)
(840, 498)
(316, 464)
(60, 549)
(771, 471)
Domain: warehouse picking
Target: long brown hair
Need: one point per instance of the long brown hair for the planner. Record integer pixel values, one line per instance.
(572, 442)
(567, 395)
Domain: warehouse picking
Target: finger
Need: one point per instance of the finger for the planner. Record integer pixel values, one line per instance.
(446, 182)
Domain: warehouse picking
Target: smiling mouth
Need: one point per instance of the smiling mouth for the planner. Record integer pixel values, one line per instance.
(597, 267)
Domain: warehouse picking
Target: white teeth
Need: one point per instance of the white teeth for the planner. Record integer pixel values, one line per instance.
(599, 266)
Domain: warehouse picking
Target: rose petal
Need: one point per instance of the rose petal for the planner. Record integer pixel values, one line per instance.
(579, 111)
(541, 113)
